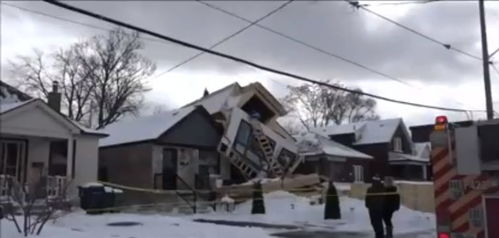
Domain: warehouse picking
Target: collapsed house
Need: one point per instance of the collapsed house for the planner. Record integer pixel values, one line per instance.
(230, 135)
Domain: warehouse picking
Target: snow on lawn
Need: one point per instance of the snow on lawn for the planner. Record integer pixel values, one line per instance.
(80, 225)
(288, 209)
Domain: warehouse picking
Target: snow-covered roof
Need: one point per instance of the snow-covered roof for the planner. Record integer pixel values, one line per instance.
(367, 132)
(315, 144)
(143, 128)
(400, 157)
(87, 130)
(5, 107)
(9, 94)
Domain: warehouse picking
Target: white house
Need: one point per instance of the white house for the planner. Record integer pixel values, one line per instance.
(39, 146)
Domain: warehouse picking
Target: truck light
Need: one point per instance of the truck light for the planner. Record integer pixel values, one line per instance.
(443, 235)
(441, 123)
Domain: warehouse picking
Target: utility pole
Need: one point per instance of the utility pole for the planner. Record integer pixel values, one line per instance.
(485, 60)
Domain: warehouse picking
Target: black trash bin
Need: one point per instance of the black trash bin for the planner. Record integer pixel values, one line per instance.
(92, 198)
(109, 198)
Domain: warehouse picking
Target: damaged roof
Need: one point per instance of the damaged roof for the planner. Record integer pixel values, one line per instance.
(231, 95)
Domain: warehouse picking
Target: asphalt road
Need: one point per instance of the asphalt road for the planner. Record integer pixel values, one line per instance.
(324, 234)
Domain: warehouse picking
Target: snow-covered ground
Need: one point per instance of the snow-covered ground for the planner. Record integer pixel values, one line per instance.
(287, 209)
(80, 225)
(281, 208)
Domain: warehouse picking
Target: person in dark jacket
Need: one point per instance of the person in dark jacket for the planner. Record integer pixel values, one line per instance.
(375, 205)
(392, 204)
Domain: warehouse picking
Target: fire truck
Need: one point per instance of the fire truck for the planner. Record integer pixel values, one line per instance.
(465, 165)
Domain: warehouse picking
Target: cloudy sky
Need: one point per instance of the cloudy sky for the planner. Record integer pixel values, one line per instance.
(436, 76)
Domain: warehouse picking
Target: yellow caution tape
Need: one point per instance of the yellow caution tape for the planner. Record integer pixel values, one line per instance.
(223, 190)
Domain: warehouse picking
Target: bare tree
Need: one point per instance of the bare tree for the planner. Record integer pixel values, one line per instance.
(101, 76)
(31, 207)
(318, 106)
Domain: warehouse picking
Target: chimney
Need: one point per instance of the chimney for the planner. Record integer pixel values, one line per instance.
(206, 93)
(54, 97)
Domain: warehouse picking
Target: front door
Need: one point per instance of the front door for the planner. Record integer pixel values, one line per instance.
(170, 158)
(11, 158)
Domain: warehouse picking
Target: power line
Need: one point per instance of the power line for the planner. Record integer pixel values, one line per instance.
(493, 53)
(446, 45)
(399, 3)
(495, 69)
(243, 61)
(75, 22)
(303, 43)
(226, 38)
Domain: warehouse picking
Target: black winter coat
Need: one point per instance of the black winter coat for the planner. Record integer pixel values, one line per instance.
(375, 198)
(392, 199)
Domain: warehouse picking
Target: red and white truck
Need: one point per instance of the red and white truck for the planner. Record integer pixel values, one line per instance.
(465, 165)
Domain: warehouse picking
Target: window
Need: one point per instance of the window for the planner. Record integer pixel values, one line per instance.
(397, 144)
(358, 173)
(243, 133)
(11, 156)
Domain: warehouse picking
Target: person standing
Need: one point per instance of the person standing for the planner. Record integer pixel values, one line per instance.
(375, 205)
(392, 204)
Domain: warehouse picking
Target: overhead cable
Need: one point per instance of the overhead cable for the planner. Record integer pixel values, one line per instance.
(448, 46)
(303, 43)
(74, 22)
(226, 38)
(244, 61)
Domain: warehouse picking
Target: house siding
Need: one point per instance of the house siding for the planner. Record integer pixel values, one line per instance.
(38, 152)
(338, 171)
(33, 122)
(196, 130)
(128, 164)
(86, 160)
(378, 165)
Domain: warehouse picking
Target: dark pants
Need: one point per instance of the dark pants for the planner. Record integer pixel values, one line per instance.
(377, 222)
(387, 218)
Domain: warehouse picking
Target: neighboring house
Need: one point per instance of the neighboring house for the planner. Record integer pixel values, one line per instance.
(39, 146)
(388, 141)
(333, 160)
(170, 151)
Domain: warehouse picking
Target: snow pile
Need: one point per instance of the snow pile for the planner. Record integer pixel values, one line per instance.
(283, 208)
(79, 225)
